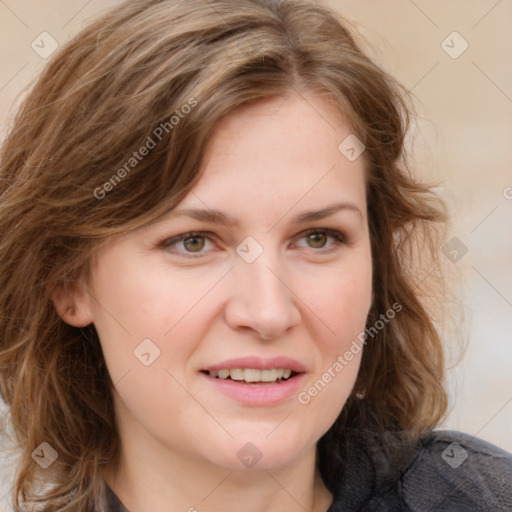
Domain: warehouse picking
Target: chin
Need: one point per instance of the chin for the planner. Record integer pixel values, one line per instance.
(262, 454)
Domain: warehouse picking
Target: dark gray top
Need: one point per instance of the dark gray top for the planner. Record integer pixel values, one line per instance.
(445, 471)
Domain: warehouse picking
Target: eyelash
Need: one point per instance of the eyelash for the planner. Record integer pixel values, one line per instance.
(338, 237)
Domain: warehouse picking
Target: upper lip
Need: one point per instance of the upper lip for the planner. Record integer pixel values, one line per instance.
(258, 363)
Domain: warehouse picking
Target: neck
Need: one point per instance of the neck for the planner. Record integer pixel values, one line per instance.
(173, 482)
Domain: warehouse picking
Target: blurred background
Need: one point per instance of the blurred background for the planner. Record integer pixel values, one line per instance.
(456, 58)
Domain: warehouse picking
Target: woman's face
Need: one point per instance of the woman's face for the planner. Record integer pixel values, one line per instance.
(252, 289)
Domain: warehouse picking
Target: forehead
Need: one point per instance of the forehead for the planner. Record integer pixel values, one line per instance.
(281, 151)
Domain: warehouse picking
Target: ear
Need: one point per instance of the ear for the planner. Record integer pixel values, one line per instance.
(73, 304)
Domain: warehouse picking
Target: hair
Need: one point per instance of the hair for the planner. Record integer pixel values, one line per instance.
(63, 194)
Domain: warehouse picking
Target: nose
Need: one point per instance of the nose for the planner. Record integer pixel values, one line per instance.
(262, 298)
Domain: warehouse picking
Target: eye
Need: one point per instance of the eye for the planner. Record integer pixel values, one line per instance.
(317, 238)
(192, 243)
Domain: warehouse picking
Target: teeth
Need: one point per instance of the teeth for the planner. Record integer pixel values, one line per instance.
(223, 374)
(252, 375)
(263, 375)
(236, 374)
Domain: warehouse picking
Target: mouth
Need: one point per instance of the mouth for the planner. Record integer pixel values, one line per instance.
(256, 381)
(253, 375)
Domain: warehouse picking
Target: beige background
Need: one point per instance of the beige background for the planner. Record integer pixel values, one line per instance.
(464, 139)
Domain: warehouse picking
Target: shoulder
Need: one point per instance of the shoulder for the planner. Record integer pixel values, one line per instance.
(107, 501)
(443, 471)
(456, 471)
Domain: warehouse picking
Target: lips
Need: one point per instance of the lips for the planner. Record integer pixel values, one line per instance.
(256, 391)
(256, 381)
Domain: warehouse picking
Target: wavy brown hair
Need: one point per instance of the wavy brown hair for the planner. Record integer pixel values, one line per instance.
(98, 100)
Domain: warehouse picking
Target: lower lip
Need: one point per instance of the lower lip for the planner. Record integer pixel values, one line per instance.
(257, 394)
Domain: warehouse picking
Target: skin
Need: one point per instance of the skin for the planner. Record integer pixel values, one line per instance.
(306, 297)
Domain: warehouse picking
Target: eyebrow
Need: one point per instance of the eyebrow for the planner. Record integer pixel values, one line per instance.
(223, 219)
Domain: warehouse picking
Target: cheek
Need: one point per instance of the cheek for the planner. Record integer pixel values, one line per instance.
(341, 304)
(325, 393)
(342, 301)
(146, 315)
(133, 302)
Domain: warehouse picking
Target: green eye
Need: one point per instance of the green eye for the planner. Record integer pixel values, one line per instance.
(319, 240)
(194, 244)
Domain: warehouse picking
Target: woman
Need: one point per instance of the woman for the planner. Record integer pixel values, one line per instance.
(207, 290)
